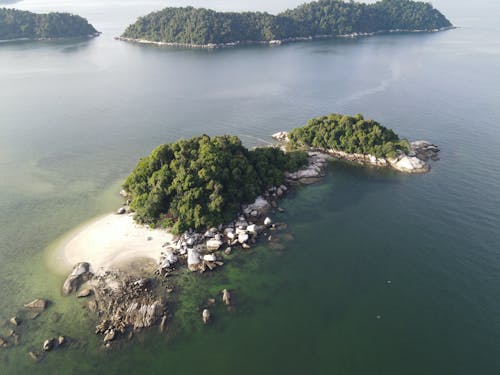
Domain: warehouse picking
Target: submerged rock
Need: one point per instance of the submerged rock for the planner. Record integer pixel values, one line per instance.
(15, 321)
(49, 344)
(205, 316)
(37, 304)
(226, 297)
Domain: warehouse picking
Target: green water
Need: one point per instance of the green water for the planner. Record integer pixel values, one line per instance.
(76, 116)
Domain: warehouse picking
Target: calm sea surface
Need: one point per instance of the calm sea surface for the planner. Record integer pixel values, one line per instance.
(76, 116)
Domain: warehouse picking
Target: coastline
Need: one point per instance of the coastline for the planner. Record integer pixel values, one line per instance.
(107, 242)
(89, 36)
(276, 42)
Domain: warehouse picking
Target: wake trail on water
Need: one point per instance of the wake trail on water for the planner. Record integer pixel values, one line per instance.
(382, 86)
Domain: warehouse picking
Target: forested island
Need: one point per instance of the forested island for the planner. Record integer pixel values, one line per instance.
(195, 27)
(19, 24)
(202, 182)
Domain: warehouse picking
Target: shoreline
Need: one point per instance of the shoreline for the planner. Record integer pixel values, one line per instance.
(276, 42)
(106, 242)
(417, 161)
(90, 36)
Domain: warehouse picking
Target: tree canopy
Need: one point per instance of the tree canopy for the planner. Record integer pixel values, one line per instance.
(351, 134)
(17, 24)
(194, 26)
(202, 181)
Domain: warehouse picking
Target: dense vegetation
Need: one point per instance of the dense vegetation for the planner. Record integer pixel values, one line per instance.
(15, 24)
(349, 134)
(323, 17)
(201, 182)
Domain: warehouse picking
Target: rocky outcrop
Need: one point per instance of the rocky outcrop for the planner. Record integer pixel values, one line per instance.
(281, 136)
(80, 274)
(124, 303)
(313, 172)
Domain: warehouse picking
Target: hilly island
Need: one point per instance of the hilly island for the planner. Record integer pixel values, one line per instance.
(18, 24)
(198, 27)
(192, 203)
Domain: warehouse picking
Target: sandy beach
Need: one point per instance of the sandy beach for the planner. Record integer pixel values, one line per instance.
(109, 242)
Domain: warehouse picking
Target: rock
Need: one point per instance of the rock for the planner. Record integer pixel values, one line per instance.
(410, 164)
(267, 221)
(37, 304)
(211, 302)
(214, 244)
(93, 306)
(123, 193)
(252, 229)
(228, 251)
(243, 237)
(245, 246)
(15, 321)
(109, 336)
(61, 340)
(84, 293)
(226, 297)
(80, 274)
(49, 344)
(3, 342)
(281, 136)
(230, 235)
(209, 258)
(259, 207)
(205, 316)
(35, 356)
(193, 260)
(163, 323)
(121, 211)
(190, 241)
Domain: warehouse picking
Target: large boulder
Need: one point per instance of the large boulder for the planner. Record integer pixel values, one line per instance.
(213, 244)
(80, 274)
(410, 164)
(193, 260)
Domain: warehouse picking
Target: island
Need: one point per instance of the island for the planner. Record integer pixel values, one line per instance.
(193, 27)
(194, 204)
(362, 141)
(23, 25)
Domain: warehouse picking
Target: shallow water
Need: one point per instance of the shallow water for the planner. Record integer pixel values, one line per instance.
(76, 116)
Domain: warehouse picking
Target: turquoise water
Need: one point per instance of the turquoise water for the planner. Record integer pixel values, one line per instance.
(76, 116)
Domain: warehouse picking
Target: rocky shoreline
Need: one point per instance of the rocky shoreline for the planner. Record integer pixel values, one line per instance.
(416, 161)
(125, 300)
(276, 42)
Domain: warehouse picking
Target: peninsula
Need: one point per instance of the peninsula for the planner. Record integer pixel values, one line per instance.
(18, 24)
(198, 27)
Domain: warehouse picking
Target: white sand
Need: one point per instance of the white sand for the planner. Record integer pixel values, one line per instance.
(109, 242)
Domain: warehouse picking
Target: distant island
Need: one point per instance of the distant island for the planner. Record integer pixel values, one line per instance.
(19, 24)
(192, 27)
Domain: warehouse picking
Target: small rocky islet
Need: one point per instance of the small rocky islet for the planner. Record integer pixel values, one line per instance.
(127, 301)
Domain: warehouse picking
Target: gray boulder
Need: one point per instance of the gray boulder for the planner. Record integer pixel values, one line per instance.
(80, 274)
